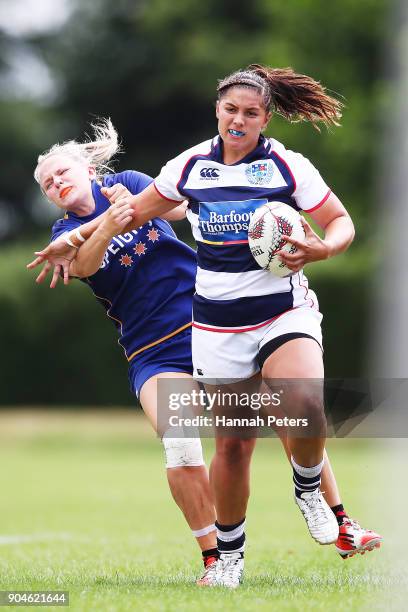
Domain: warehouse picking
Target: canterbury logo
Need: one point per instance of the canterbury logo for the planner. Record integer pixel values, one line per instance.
(210, 173)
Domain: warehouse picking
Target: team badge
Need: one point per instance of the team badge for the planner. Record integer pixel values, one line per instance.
(260, 172)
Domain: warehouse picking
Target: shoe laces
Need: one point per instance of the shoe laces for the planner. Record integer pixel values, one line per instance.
(348, 522)
(315, 506)
(231, 569)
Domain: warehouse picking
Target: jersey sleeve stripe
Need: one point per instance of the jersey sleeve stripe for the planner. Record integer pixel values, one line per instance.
(274, 153)
(309, 210)
(184, 174)
(165, 198)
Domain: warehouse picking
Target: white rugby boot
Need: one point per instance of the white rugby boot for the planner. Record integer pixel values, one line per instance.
(231, 571)
(320, 520)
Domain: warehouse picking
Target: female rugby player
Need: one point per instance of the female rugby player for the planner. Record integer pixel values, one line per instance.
(150, 304)
(270, 324)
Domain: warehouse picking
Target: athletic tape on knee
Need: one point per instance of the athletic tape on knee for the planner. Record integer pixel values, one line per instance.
(181, 451)
(198, 533)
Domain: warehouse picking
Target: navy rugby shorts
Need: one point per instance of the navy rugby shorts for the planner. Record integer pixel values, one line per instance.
(172, 355)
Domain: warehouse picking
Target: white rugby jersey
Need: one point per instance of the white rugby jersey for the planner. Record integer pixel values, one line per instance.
(232, 292)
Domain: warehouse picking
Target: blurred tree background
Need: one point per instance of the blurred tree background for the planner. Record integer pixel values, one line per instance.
(152, 66)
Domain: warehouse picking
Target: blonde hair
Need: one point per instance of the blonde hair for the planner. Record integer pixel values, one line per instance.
(95, 151)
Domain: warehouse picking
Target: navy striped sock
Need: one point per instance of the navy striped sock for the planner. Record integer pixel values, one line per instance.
(231, 538)
(306, 479)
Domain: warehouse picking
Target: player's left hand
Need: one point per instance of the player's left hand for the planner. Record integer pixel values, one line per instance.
(61, 264)
(312, 248)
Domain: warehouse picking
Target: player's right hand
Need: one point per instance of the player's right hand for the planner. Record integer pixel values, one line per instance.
(115, 192)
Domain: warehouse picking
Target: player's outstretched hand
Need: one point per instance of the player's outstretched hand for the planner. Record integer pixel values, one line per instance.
(58, 270)
(58, 254)
(57, 248)
(312, 248)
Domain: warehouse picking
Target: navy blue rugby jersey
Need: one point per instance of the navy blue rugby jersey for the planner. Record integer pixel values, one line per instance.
(232, 292)
(146, 279)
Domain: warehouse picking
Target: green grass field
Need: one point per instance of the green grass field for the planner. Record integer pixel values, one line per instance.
(85, 508)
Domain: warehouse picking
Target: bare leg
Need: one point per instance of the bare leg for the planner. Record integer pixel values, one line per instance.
(328, 484)
(229, 475)
(294, 365)
(230, 467)
(301, 359)
(189, 486)
(191, 491)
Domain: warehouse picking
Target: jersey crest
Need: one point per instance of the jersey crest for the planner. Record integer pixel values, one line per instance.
(259, 172)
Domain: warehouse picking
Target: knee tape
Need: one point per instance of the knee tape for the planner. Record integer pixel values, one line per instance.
(182, 452)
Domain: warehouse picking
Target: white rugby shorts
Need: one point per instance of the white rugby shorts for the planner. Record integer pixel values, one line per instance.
(219, 354)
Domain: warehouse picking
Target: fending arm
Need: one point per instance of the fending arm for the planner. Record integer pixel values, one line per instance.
(92, 251)
(146, 205)
(176, 214)
(134, 211)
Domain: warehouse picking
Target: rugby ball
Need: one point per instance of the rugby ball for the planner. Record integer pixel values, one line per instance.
(267, 229)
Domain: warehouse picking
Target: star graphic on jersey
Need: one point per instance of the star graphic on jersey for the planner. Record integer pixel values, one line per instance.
(153, 235)
(126, 260)
(140, 248)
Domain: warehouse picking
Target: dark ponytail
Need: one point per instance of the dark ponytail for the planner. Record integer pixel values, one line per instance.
(297, 97)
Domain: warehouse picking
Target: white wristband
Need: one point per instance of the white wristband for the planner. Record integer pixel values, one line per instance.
(69, 241)
(79, 235)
